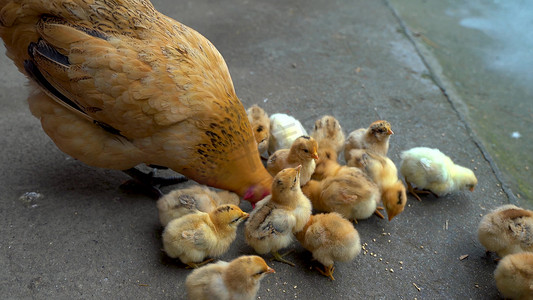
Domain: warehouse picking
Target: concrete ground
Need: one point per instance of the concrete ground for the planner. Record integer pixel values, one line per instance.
(79, 237)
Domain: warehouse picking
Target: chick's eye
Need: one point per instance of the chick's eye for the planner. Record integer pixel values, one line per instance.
(306, 151)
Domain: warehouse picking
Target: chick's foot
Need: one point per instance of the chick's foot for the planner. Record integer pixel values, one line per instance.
(328, 271)
(279, 257)
(148, 184)
(378, 213)
(197, 265)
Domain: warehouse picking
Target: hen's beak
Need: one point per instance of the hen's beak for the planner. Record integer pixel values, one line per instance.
(389, 131)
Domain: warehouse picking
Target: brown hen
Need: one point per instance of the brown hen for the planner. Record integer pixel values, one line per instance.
(121, 84)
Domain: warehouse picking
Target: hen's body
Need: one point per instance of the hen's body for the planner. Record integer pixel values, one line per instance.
(122, 84)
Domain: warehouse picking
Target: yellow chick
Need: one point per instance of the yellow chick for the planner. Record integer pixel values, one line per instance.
(238, 279)
(514, 276)
(188, 200)
(328, 132)
(506, 230)
(276, 218)
(353, 195)
(302, 152)
(384, 173)
(330, 238)
(375, 138)
(193, 237)
(260, 125)
(432, 170)
(284, 129)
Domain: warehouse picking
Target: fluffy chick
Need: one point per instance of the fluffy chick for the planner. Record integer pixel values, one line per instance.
(328, 131)
(302, 152)
(384, 173)
(375, 138)
(188, 200)
(432, 170)
(352, 194)
(284, 129)
(514, 276)
(238, 279)
(507, 229)
(330, 238)
(193, 237)
(260, 125)
(276, 218)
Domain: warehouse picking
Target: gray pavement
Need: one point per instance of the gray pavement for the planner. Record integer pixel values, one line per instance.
(83, 238)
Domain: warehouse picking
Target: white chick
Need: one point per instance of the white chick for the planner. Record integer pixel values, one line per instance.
(284, 129)
(195, 236)
(188, 200)
(260, 125)
(328, 132)
(238, 279)
(330, 238)
(507, 229)
(276, 218)
(431, 170)
(514, 276)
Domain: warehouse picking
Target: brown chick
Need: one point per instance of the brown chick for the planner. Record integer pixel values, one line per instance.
(302, 152)
(514, 276)
(328, 132)
(375, 138)
(352, 194)
(260, 126)
(276, 218)
(384, 173)
(506, 230)
(123, 84)
(238, 279)
(327, 165)
(330, 238)
(188, 200)
(195, 236)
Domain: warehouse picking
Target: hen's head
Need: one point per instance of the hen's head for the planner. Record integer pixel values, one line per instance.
(305, 147)
(256, 193)
(381, 129)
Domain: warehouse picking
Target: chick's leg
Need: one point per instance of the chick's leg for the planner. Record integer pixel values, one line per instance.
(328, 271)
(414, 191)
(197, 265)
(148, 184)
(378, 213)
(279, 257)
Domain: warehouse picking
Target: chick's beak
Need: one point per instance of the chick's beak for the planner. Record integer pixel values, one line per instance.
(471, 189)
(389, 131)
(245, 216)
(314, 156)
(270, 270)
